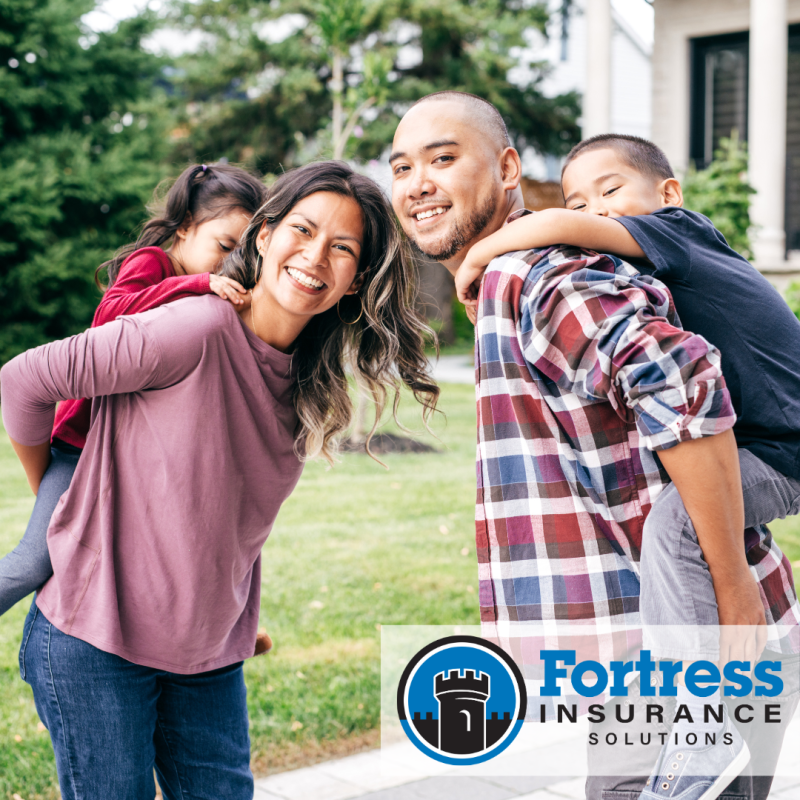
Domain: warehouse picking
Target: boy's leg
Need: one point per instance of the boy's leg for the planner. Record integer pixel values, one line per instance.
(27, 566)
(100, 711)
(202, 740)
(768, 494)
(676, 585)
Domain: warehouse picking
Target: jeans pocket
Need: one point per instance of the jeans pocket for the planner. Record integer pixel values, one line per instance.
(26, 635)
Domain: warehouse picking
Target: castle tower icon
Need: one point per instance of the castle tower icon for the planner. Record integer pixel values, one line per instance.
(462, 710)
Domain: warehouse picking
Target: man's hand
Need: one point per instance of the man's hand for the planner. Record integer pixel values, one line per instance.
(743, 626)
(706, 474)
(229, 289)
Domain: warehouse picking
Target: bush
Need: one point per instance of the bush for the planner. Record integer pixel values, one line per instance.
(722, 193)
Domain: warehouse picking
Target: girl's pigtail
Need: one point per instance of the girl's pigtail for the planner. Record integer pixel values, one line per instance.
(201, 192)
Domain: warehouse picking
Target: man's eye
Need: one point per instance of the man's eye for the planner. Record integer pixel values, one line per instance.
(398, 170)
(444, 158)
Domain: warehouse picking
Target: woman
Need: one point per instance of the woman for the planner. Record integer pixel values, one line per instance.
(202, 420)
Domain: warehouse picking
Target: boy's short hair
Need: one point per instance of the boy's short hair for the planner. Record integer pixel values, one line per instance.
(639, 154)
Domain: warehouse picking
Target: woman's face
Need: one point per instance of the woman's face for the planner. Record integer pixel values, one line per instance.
(311, 258)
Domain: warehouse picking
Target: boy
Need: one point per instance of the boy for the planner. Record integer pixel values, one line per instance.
(633, 208)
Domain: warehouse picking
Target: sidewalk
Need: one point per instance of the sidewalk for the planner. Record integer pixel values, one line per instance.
(361, 776)
(454, 369)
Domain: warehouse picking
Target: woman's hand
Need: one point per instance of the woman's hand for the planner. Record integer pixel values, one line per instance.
(229, 289)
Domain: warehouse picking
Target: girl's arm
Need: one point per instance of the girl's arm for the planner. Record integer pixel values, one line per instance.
(35, 460)
(146, 282)
(542, 229)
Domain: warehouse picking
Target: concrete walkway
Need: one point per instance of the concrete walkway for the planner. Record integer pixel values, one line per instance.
(390, 775)
(454, 369)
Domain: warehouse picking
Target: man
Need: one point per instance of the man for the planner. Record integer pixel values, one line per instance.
(583, 374)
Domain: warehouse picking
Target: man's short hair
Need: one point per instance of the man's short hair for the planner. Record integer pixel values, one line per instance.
(639, 154)
(485, 114)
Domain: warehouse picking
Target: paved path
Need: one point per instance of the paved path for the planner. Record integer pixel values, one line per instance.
(454, 369)
(389, 775)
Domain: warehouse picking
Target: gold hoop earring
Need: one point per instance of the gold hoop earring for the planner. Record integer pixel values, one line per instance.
(360, 313)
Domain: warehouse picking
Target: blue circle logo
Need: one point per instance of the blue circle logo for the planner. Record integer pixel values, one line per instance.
(462, 700)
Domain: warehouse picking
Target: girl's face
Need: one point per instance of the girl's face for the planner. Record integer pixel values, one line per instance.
(202, 248)
(310, 259)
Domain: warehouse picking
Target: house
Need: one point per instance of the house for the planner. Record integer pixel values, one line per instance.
(720, 65)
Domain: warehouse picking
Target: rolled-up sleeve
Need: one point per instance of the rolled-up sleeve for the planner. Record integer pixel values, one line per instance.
(605, 336)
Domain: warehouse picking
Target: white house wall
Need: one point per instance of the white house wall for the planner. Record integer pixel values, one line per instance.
(676, 22)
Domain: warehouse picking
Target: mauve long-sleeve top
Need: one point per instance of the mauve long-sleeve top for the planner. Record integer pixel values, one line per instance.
(156, 545)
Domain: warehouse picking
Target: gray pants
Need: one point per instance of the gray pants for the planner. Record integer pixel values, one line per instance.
(676, 589)
(28, 566)
(676, 586)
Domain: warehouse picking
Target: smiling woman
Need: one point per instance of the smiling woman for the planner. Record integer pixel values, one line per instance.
(202, 418)
(329, 271)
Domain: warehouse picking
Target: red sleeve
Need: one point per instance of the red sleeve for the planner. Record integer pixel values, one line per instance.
(145, 281)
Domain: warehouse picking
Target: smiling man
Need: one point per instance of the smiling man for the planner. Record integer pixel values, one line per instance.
(583, 375)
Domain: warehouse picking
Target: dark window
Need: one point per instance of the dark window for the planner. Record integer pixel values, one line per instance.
(793, 142)
(719, 93)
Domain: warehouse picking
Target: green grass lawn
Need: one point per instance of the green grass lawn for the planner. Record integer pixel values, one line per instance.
(353, 548)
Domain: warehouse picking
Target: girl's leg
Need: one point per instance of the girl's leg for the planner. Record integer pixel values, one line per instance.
(202, 740)
(100, 711)
(27, 566)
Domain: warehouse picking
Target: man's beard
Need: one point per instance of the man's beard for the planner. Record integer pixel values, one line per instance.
(464, 231)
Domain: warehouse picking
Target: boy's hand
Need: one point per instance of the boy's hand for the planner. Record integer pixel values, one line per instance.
(468, 279)
(229, 289)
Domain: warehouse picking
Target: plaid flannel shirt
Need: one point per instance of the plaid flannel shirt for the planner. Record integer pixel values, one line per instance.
(582, 373)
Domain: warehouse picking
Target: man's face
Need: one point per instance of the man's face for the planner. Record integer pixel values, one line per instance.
(446, 182)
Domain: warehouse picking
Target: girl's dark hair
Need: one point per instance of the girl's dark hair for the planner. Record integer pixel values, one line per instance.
(384, 348)
(201, 192)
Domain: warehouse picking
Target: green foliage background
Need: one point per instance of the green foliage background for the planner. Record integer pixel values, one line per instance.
(89, 123)
(74, 170)
(722, 193)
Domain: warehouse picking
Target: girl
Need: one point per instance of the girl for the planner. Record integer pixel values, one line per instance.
(203, 217)
(206, 412)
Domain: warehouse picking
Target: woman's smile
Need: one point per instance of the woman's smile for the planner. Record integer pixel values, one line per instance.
(305, 281)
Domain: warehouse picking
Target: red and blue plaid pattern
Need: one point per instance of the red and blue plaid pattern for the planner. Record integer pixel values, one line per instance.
(582, 372)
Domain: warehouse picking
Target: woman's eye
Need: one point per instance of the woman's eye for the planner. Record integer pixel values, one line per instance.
(225, 247)
(345, 248)
(302, 229)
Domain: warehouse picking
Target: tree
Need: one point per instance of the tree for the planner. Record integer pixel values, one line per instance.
(81, 144)
(279, 83)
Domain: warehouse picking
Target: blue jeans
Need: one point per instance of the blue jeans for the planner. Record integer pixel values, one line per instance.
(112, 722)
(28, 566)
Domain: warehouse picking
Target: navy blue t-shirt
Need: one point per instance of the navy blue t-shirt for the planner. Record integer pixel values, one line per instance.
(721, 296)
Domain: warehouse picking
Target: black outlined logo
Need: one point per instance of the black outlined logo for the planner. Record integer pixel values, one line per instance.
(461, 700)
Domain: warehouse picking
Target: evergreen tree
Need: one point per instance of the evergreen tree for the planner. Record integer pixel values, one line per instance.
(265, 85)
(81, 143)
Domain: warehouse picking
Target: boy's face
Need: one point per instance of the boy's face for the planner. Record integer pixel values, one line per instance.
(600, 182)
